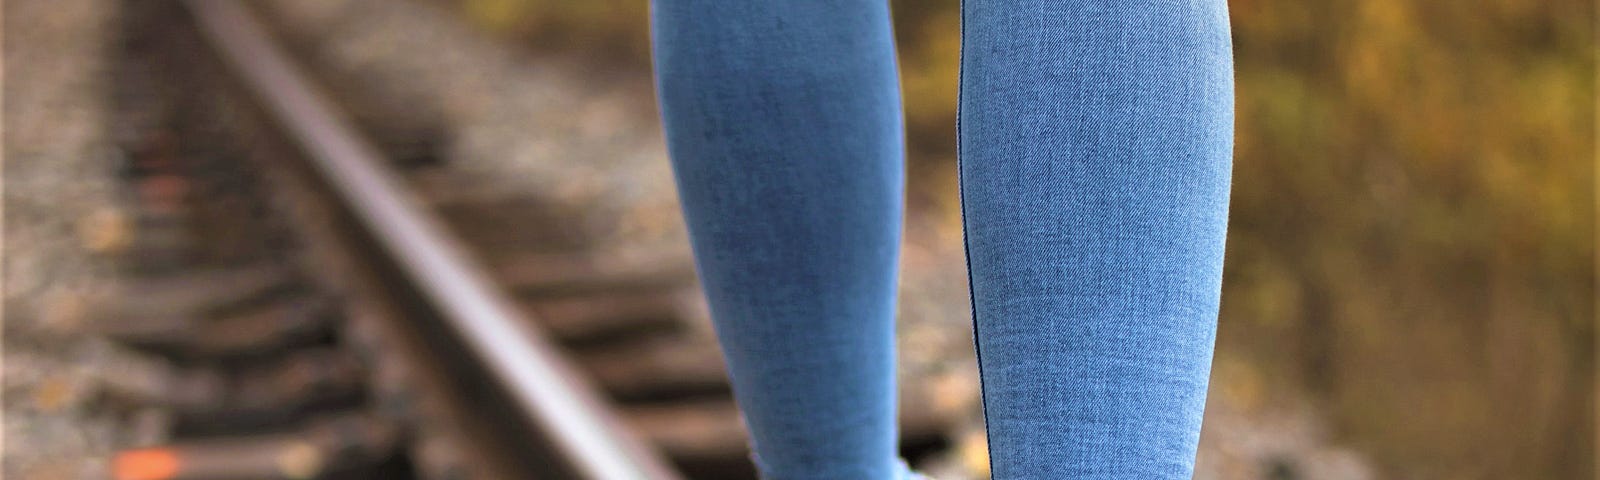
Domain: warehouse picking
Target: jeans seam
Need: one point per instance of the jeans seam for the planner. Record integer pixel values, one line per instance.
(966, 238)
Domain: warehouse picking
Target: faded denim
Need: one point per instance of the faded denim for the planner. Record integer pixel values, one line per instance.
(1095, 145)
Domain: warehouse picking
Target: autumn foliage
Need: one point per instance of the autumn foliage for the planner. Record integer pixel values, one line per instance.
(1413, 222)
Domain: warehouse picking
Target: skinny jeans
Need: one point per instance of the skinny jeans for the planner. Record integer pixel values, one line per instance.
(1095, 146)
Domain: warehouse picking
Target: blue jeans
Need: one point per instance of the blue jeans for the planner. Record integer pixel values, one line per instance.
(1095, 147)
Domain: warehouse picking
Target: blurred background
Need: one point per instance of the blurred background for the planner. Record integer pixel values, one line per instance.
(1411, 276)
(1411, 249)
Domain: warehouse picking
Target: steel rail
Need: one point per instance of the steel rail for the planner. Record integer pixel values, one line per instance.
(569, 411)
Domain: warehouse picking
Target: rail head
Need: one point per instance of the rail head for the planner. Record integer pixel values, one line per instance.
(545, 387)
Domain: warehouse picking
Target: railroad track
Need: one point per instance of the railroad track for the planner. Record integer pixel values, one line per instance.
(327, 319)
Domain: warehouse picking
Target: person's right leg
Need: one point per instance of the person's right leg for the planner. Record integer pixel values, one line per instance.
(1095, 144)
(783, 121)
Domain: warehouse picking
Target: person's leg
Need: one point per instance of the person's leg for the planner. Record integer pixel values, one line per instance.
(1095, 143)
(783, 123)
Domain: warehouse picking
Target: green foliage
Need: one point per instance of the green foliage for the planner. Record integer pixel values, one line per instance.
(1413, 219)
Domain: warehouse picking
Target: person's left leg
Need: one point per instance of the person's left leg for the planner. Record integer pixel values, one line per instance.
(1096, 143)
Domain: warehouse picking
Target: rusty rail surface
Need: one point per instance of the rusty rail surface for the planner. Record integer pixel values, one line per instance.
(535, 378)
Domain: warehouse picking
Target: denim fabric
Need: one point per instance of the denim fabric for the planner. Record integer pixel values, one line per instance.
(1096, 150)
(783, 123)
(1095, 144)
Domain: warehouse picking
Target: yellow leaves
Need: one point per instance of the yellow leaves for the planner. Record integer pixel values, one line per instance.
(497, 15)
(1431, 159)
(1380, 18)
